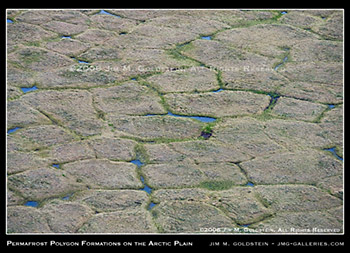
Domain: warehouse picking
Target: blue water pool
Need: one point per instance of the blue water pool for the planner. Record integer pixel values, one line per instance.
(334, 153)
(206, 37)
(80, 61)
(25, 90)
(331, 106)
(138, 163)
(215, 91)
(203, 119)
(108, 13)
(151, 205)
(31, 203)
(9, 21)
(67, 197)
(146, 188)
(57, 166)
(273, 100)
(279, 65)
(66, 37)
(200, 118)
(250, 184)
(13, 130)
(284, 12)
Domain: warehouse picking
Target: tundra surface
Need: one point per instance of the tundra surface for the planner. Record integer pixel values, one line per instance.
(174, 121)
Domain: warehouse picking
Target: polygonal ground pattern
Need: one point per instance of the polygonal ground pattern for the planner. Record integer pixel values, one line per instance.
(174, 121)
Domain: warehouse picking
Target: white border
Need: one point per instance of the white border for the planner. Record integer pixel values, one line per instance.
(196, 234)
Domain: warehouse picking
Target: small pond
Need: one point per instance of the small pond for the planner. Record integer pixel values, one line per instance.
(31, 203)
(332, 150)
(108, 13)
(13, 130)
(25, 89)
(200, 118)
(216, 91)
(67, 197)
(151, 205)
(146, 188)
(206, 37)
(273, 100)
(84, 62)
(249, 184)
(138, 163)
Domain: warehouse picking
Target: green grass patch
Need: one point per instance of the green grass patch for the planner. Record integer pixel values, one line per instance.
(217, 185)
(264, 116)
(320, 117)
(266, 203)
(176, 54)
(208, 128)
(33, 44)
(101, 115)
(185, 46)
(141, 153)
(28, 56)
(219, 79)
(248, 23)
(277, 16)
